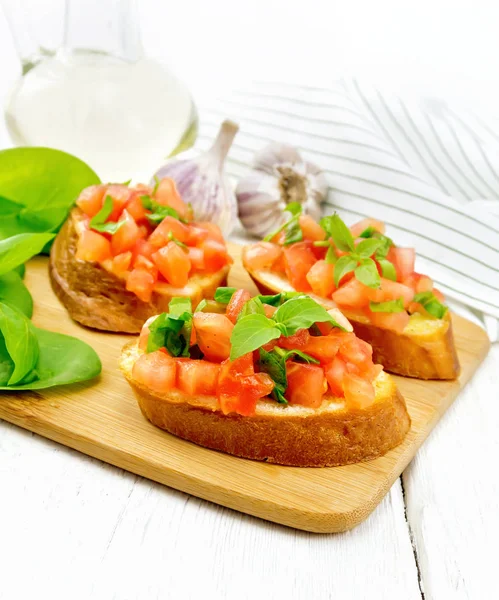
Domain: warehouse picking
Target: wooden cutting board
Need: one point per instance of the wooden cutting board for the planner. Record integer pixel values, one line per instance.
(101, 418)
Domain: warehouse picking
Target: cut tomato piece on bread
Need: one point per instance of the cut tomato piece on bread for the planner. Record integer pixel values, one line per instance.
(127, 235)
(335, 372)
(298, 260)
(310, 229)
(167, 195)
(173, 263)
(359, 393)
(91, 199)
(306, 384)
(93, 246)
(364, 224)
(262, 255)
(141, 283)
(197, 377)
(213, 333)
(157, 371)
(169, 227)
(320, 278)
(236, 304)
(215, 255)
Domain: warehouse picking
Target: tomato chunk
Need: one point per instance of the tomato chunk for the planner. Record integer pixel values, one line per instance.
(393, 291)
(144, 333)
(168, 226)
(395, 321)
(310, 229)
(214, 231)
(356, 295)
(235, 306)
(167, 195)
(306, 384)
(91, 199)
(141, 262)
(335, 371)
(320, 278)
(120, 195)
(359, 393)
(298, 260)
(261, 255)
(126, 236)
(361, 226)
(173, 263)
(215, 255)
(297, 341)
(141, 283)
(197, 377)
(93, 246)
(121, 263)
(213, 333)
(404, 260)
(144, 248)
(156, 370)
(136, 209)
(324, 347)
(196, 256)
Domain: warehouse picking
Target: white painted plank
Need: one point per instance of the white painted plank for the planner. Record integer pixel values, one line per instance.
(452, 494)
(71, 526)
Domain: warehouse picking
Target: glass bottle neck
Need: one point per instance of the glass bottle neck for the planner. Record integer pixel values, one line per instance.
(103, 26)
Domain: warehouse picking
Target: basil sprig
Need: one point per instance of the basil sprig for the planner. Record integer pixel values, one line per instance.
(291, 228)
(430, 303)
(172, 330)
(158, 211)
(98, 222)
(253, 331)
(224, 294)
(392, 306)
(274, 364)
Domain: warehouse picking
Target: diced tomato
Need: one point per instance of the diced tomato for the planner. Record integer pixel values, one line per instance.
(395, 321)
(356, 351)
(144, 248)
(169, 225)
(297, 341)
(335, 371)
(361, 226)
(141, 283)
(215, 255)
(359, 392)
(156, 370)
(310, 229)
(356, 295)
(91, 199)
(122, 262)
(196, 235)
(173, 263)
(235, 306)
(196, 256)
(425, 284)
(136, 209)
(197, 377)
(141, 262)
(213, 333)
(403, 260)
(298, 260)
(269, 310)
(143, 190)
(126, 236)
(214, 231)
(93, 246)
(120, 194)
(167, 195)
(261, 255)
(320, 278)
(306, 384)
(393, 291)
(322, 347)
(144, 333)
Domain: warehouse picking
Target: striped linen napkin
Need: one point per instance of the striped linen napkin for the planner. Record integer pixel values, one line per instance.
(430, 171)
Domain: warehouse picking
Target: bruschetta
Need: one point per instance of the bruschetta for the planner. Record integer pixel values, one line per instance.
(273, 378)
(124, 252)
(374, 283)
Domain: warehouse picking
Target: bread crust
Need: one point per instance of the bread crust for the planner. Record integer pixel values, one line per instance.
(425, 350)
(97, 298)
(276, 434)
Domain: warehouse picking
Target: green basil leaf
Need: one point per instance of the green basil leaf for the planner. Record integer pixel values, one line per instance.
(127, 182)
(368, 232)
(252, 307)
(157, 181)
(293, 232)
(290, 354)
(20, 342)
(387, 269)
(430, 303)
(274, 300)
(291, 226)
(159, 211)
(165, 332)
(275, 366)
(16, 250)
(367, 273)
(224, 294)
(250, 333)
(62, 360)
(392, 306)
(98, 222)
(295, 208)
(180, 305)
(331, 257)
(386, 244)
(345, 264)
(335, 228)
(300, 313)
(181, 308)
(367, 248)
(15, 293)
(201, 305)
(172, 238)
(45, 183)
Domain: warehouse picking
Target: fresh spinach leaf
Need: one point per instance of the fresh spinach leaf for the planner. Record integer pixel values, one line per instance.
(15, 293)
(20, 342)
(16, 250)
(62, 360)
(45, 183)
(224, 294)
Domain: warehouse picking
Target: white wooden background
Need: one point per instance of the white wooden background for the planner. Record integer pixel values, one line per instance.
(72, 527)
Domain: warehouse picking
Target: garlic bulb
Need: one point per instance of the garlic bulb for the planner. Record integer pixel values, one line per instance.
(202, 183)
(279, 176)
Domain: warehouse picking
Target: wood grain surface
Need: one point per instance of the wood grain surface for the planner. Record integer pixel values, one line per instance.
(102, 420)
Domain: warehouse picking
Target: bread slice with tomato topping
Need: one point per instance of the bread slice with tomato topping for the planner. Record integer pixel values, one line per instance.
(123, 253)
(373, 282)
(310, 396)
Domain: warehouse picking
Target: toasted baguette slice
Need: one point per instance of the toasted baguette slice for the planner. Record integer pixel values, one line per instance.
(425, 350)
(299, 436)
(96, 298)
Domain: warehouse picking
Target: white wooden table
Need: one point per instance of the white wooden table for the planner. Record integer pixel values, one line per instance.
(72, 527)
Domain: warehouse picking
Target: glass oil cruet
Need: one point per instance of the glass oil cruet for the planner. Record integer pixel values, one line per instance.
(97, 96)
